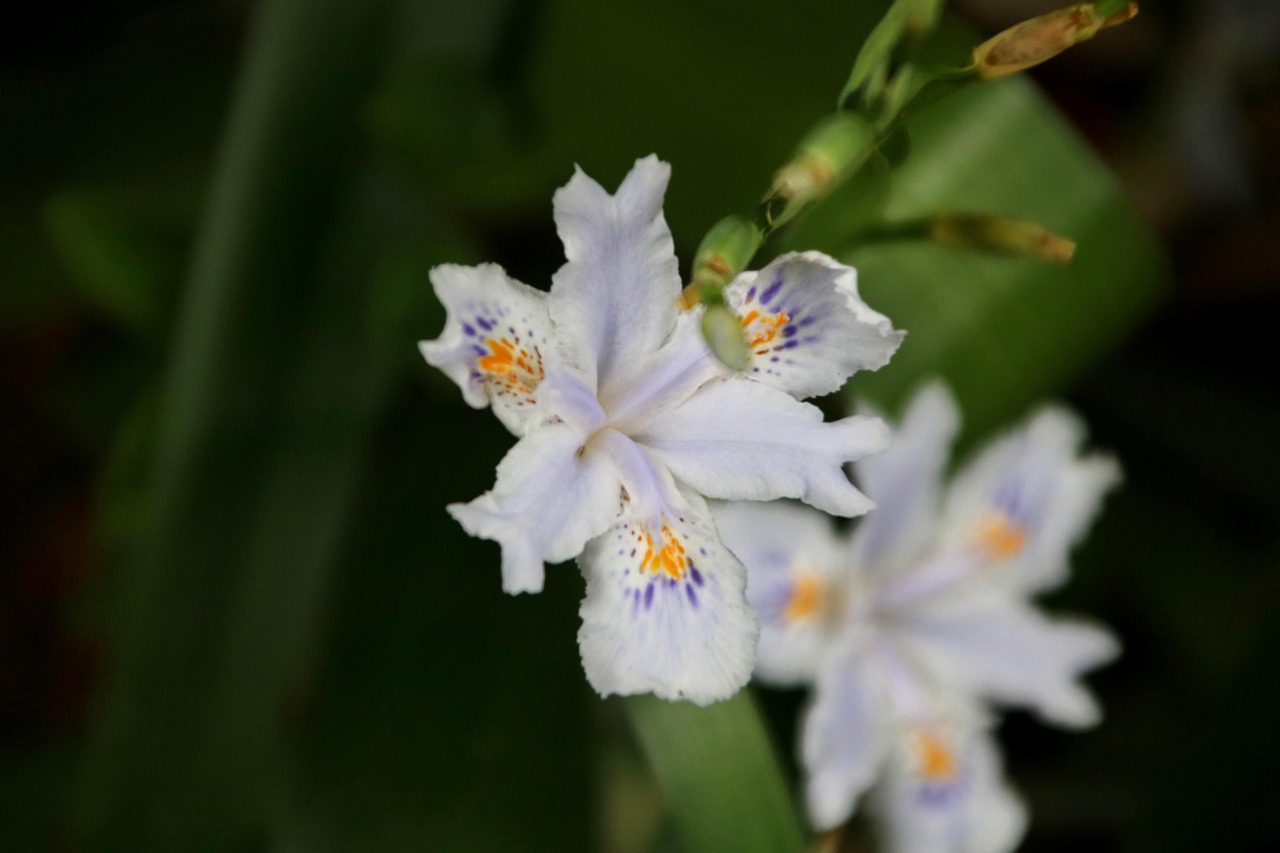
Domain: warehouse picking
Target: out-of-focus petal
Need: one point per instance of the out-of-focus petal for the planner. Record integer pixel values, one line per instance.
(666, 616)
(494, 341)
(906, 483)
(944, 792)
(991, 642)
(844, 738)
(739, 440)
(549, 500)
(1029, 497)
(614, 301)
(795, 582)
(807, 327)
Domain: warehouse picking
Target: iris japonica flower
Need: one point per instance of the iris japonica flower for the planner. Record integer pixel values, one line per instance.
(626, 422)
(912, 628)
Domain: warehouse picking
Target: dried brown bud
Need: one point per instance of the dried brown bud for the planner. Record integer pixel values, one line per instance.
(1039, 39)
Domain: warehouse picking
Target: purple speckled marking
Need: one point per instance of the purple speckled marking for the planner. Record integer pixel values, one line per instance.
(775, 358)
(648, 596)
(771, 291)
(788, 331)
(468, 331)
(937, 796)
(693, 596)
(807, 321)
(1013, 499)
(696, 575)
(479, 350)
(484, 324)
(751, 294)
(702, 551)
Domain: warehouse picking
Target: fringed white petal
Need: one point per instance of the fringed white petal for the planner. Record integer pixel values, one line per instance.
(666, 616)
(944, 792)
(807, 327)
(739, 440)
(844, 737)
(659, 382)
(1040, 493)
(495, 340)
(906, 483)
(992, 643)
(549, 500)
(614, 301)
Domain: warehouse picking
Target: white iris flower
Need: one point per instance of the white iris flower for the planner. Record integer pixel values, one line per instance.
(912, 626)
(626, 422)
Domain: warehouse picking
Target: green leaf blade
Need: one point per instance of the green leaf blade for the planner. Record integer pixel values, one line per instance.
(724, 786)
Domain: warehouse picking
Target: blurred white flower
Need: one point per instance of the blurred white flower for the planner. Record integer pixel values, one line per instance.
(625, 422)
(911, 627)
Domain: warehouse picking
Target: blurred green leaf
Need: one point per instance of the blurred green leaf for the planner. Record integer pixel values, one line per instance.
(125, 248)
(872, 65)
(271, 392)
(35, 286)
(1005, 332)
(723, 782)
(448, 716)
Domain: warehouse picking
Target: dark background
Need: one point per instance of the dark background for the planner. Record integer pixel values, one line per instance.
(231, 606)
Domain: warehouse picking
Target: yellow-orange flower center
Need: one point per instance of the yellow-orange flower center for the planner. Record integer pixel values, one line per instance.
(669, 558)
(934, 759)
(806, 599)
(1000, 535)
(512, 365)
(761, 329)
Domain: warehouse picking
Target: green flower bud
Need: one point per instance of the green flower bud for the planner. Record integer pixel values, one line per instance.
(824, 156)
(723, 253)
(724, 335)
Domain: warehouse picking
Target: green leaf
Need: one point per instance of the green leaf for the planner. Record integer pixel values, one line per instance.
(1004, 332)
(723, 782)
(872, 63)
(124, 248)
(269, 398)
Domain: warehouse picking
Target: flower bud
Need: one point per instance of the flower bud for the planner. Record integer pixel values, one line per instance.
(1000, 235)
(822, 158)
(724, 335)
(1039, 39)
(725, 252)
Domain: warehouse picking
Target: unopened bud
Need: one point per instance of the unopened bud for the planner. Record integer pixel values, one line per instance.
(822, 158)
(723, 253)
(981, 232)
(724, 335)
(1039, 39)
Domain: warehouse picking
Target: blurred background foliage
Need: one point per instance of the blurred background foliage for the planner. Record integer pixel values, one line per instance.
(233, 614)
